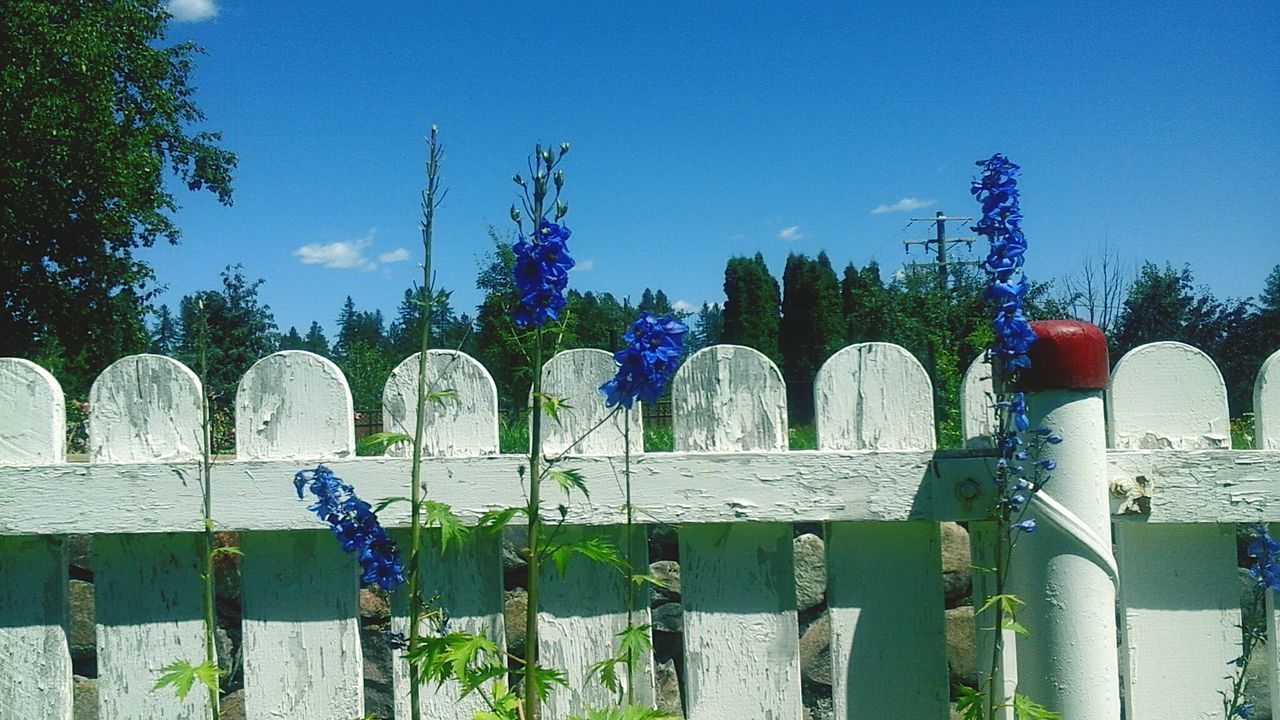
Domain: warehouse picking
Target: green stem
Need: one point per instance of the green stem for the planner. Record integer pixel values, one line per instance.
(206, 469)
(994, 681)
(629, 590)
(415, 519)
(535, 551)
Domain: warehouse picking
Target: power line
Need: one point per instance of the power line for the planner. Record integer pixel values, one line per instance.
(941, 243)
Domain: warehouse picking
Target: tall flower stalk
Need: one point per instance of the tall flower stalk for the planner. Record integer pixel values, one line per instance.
(431, 199)
(541, 276)
(206, 473)
(1019, 473)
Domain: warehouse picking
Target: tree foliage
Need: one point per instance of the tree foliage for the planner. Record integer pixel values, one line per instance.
(752, 306)
(95, 111)
(233, 328)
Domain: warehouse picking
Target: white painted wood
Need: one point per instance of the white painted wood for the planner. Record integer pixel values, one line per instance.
(977, 401)
(1064, 571)
(1266, 405)
(461, 426)
(147, 587)
(888, 654)
(1167, 395)
(468, 580)
(737, 580)
(570, 374)
(33, 415)
(581, 613)
(300, 620)
(35, 677)
(1178, 590)
(294, 404)
(713, 418)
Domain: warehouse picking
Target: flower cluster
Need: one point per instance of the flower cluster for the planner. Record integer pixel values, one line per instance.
(1001, 224)
(1017, 481)
(354, 524)
(542, 274)
(1266, 552)
(653, 349)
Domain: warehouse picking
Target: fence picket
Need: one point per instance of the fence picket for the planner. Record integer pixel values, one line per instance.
(1179, 591)
(589, 601)
(35, 678)
(300, 621)
(887, 637)
(147, 587)
(468, 580)
(737, 580)
(978, 425)
(1266, 405)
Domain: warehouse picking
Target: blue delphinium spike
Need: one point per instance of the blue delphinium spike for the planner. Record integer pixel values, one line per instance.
(541, 274)
(354, 524)
(647, 361)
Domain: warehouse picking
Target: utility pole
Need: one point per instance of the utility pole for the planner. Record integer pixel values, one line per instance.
(940, 242)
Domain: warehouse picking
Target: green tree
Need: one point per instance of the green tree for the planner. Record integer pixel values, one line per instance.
(708, 327)
(364, 354)
(752, 305)
(448, 330)
(166, 337)
(292, 340)
(235, 328)
(865, 303)
(811, 327)
(315, 340)
(95, 111)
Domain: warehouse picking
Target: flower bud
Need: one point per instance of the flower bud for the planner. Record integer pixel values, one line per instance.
(518, 180)
(559, 179)
(564, 149)
(562, 209)
(515, 214)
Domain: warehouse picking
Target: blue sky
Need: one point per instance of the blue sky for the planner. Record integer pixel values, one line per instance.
(704, 130)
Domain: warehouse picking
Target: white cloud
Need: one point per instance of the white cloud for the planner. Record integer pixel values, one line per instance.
(684, 306)
(583, 266)
(348, 254)
(395, 256)
(906, 204)
(790, 233)
(192, 10)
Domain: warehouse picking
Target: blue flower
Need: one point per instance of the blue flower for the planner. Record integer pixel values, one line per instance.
(1001, 224)
(1026, 526)
(354, 524)
(541, 274)
(653, 349)
(1266, 551)
(1243, 711)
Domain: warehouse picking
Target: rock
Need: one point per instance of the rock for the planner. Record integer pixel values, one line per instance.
(83, 625)
(225, 650)
(80, 556)
(84, 698)
(374, 608)
(668, 687)
(517, 601)
(668, 618)
(378, 693)
(815, 651)
(515, 565)
(667, 572)
(232, 706)
(962, 649)
(664, 542)
(956, 570)
(811, 571)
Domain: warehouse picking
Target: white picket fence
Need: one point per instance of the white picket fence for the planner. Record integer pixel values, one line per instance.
(731, 486)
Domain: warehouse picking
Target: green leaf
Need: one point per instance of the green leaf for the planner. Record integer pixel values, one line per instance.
(544, 678)
(494, 520)
(597, 549)
(452, 530)
(552, 405)
(388, 502)
(969, 702)
(1008, 603)
(607, 669)
(181, 675)
(643, 578)
(629, 712)
(228, 550)
(634, 640)
(1024, 708)
(377, 443)
(439, 396)
(568, 480)
(1017, 627)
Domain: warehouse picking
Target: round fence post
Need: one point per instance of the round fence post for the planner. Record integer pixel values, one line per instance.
(1065, 572)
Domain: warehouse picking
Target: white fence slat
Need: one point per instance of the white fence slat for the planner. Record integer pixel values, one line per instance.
(468, 579)
(300, 620)
(978, 425)
(1266, 405)
(888, 654)
(581, 613)
(1178, 587)
(35, 678)
(737, 580)
(147, 587)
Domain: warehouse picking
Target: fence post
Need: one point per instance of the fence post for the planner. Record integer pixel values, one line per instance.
(1064, 572)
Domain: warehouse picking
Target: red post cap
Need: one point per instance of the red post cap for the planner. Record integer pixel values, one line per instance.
(1067, 355)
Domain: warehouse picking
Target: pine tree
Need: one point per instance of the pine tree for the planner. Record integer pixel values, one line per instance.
(752, 305)
(166, 337)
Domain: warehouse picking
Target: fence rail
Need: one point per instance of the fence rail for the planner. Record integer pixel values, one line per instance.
(1173, 488)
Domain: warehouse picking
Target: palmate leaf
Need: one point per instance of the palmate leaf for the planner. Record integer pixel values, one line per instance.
(441, 515)
(377, 443)
(969, 702)
(552, 405)
(607, 670)
(228, 550)
(568, 480)
(645, 578)
(634, 640)
(506, 704)
(439, 397)
(1024, 708)
(592, 548)
(1008, 603)
(181, 675)
(544, 678)
(493, 521)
